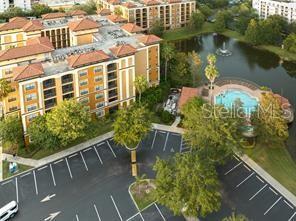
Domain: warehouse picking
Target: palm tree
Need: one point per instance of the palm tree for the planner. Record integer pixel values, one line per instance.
(211, 59)
(235, 217)
(211, 73)
(167, 53)
(141, 85)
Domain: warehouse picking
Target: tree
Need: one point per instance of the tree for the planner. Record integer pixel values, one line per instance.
(187, 184)
(211, 71)
(205, 10)
(141, 85)
(217, 133)
(180, 73)
(157, 28)
(197, 20)
(90, 7)
(269, 120)
(40, 135)
(167, 53)
(235, 217)
(5, 88)
(40, 9)
(11, 131)
(68, 121)
(131, 125)
(290, 43)
(253, 32)
(12, 12)
(118, 11)
(222, 18)
(195, 67)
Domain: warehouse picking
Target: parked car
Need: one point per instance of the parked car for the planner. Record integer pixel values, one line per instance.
(8, 211)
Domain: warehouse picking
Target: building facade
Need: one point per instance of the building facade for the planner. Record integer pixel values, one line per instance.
(171, 13)
(23, 4)
(286, 9)
(96, 64)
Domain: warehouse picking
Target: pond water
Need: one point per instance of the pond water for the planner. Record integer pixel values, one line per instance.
(259, 66)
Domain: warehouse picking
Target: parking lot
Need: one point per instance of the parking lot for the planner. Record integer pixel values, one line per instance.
(92, 185)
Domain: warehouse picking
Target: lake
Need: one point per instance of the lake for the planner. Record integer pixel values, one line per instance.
(259, 66)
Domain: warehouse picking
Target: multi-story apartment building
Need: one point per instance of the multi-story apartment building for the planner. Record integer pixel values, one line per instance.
(171, 13)
(56, 4)
(286, 9)
(96, 64)
(23, 4)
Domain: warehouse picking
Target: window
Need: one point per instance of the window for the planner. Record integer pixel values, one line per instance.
(31, 107)
(99, 96)
(99, 87)
(84, 100)
(30, 97)
(98, 69)
(32, 116)
(29, 87)
(100, 104)
(83, 83)
(100, 113)
(98, 78)
(82, 73)
(13, 108)
(12, 99)
(83, 92)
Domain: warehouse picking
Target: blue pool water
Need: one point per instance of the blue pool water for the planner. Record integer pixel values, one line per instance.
(229, 97)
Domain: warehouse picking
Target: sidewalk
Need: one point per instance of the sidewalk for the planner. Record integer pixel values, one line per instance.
(259, 170)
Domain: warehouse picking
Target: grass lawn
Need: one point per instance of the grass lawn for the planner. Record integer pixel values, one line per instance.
(184, 33)
(143, 193)
(277, 162)
(97, 128)
(21, 168)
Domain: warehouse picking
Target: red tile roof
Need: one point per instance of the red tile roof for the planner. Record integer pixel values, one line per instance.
(186, 94)
(149, 39)
(87, 58)
(83, 24)
(14, 23)
(114, 2)
(116, 18)
(132, 28)
(28, 71)
(104, 11)
(129, 5)
(77, 13)
(53, 15)
(151, 2)
(123, 50)
(34, 46)
(34, 25)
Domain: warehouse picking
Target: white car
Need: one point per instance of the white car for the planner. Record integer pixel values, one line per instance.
(8, 211)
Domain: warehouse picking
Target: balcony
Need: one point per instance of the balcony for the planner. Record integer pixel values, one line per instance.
(48, 83)
(112, 93)
(111, 67)
(112, 76)
(67, 88)
(49, 93)
(50, 103)
(112, 84)
(67, 79)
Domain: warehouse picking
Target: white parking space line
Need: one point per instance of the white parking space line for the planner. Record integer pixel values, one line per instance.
(273, 205)
(99, 144)
(73, 155)
(159, 211)
(153, 141)
(61, 160)
(69, 168)
(292, 216)
(181, 144)
(247, 168)
(87, 149)
(176, 134)
(97, 212)
(52, 175)
(273, 191)
(16, 190)
(77, 218)
(236, 158)
(42, 168)
(98, 155)
(6, 182)
(26, 174)
(289, 205)
(248, 177)
(233, 168)
(166, 141)
(163, 132)
(258, 192)
(83, 161)
(35, 181)
(259, 179)
(111, 149)
(116, 208)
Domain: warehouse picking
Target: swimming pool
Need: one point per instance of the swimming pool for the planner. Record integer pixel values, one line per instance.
(228, 98)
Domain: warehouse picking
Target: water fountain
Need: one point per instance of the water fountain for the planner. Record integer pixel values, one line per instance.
(223, 51)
